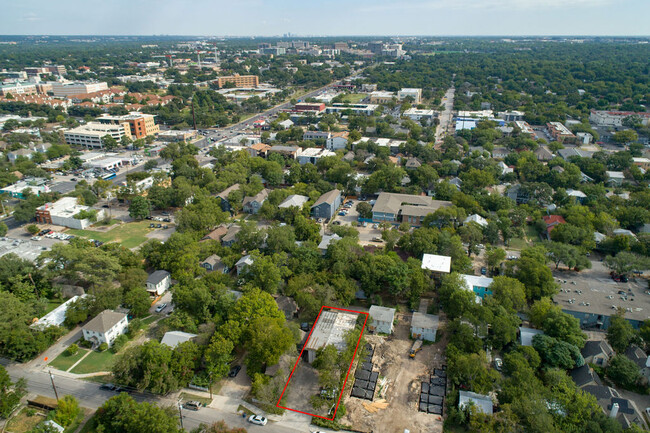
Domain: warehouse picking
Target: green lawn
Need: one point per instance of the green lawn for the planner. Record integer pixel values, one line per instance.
(96, 361)
(129, 235)
(90, 426)
(354, 98)
(65, 361)
(531, 233)
(517, 244)
(149, 320)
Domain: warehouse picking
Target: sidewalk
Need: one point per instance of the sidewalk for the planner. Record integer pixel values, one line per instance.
(55, 350)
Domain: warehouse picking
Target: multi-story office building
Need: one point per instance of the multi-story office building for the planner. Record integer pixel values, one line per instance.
(91, 134)
(140, 125)
(239, 80)
(76, 88)
(17, 88)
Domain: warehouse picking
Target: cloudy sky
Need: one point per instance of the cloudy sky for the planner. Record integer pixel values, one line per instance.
(326, 17)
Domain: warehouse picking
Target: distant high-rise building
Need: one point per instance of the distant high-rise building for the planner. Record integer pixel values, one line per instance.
(341, 46)
(376, 47)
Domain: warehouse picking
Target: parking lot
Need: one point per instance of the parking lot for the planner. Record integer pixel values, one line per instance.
(23, 248)
(368, 235)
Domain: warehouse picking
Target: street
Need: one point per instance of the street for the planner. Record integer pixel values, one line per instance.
(447, 115)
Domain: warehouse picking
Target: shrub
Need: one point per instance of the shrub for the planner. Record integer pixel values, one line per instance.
(32, 229)
(102, 347)
(72, 350)
(85, 343)
(119, 343)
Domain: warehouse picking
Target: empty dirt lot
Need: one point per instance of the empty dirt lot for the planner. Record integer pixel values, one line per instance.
(402, 393)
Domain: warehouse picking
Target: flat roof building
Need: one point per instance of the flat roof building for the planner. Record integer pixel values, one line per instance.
(140, 124)
(435, 263)
(398, 208)
(331, 329)
(92, 133)
(66, 212)
(239, 80)
(73, 88)
(415, 94)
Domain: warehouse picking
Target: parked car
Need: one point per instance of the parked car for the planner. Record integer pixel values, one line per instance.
(152, 225)
(257, 419)
(192, 405)
(483, 270)
(107, 387)
(158, 226)
(234, 371)
(160, 307)
(498, 364)
(341, 213)
(337, 223)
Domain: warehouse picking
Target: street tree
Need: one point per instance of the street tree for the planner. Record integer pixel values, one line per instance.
(139, 207)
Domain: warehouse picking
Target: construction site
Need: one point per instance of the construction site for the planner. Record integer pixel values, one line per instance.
(396, 402)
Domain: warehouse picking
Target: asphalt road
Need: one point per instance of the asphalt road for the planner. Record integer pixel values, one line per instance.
(90, 396)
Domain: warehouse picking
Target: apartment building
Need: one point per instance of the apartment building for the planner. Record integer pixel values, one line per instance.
(560, 132)
(141, 125)
(309, 107)
(615, 118)
(381, 97)
(524, 127)
(17, 88)
(239, 80)
(398, 208)
(415, 94)
(91, 134)
(73, 88)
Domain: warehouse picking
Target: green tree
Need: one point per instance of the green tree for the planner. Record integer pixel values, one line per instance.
(494, 257)
(67, 411)
(557, 353)
(123, 414)
(623, 371)
(509, 293)
(109, 142)
(218, 356)
(625, 136)
(3, 229)
(139, 207)
(625, 262)
(32, 229)
(620, 333)
(267, 339)
(10, 393)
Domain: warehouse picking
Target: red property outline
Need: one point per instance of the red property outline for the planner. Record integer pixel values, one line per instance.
(346, 375)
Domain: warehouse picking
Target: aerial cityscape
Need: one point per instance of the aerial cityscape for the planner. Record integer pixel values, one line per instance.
(236, 218)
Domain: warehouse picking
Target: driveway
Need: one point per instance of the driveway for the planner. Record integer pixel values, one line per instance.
(236, 387)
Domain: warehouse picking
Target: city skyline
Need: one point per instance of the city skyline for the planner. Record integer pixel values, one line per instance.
(262, 18)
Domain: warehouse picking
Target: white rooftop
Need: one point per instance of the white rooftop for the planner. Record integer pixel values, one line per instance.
(55, 317)
(174, 338)
(527, 335)
(436, 263)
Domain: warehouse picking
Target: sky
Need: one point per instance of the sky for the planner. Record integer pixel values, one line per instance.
(326, 17)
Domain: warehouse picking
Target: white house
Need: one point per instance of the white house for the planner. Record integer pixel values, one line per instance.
(436, 263)
(381, 319)
(424, 326)
(243, 263)
(158, 282)
(105, 327)
(476, 218)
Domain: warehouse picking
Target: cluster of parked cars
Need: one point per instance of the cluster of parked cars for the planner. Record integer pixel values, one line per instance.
(158, 226)
(346, 207)
(619, 278)
(53, 235)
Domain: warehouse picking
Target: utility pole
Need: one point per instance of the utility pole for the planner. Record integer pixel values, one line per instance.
(180, 413)
(54, 386)
(210, 385)
(193, 118)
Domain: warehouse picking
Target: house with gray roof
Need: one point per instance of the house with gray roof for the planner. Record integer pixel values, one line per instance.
(381, 319)
(158, 282)
(105, 327)
(424, 326)
(327, 204)
(597, 352)
(226, 206)
(294, 200)
(482, 403)
(398, 208)
(213, 263)
(174, 338)
(253, 204)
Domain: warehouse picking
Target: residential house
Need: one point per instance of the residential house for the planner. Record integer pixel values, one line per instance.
(500, 152)
(216, 234)
(479, 285)
(597, 352)
(640, 358)
(614, 406)
(244, 263)
(398, 208)
(552, 221)
(158, 282)
(568, 152)
(579, 196)
(174, 338)
(505, 169)
(412, 163)
(258, 149)
(518, 193)
(337, 140)
(424, 326)
(287, 305)
(105, 327)
(327, 204)
(286, 151)
(543, 153)
(526, 335)
(475, 218)
(482, 403)
(226, 206)
(312, 155)
(294, 200)
(231, 235)
(326, 241)
(381, 319)
(214, 263)
(584, 375)
(316, 135)
(615, 178)
(436, 263)
(14, 155)
(253, 204)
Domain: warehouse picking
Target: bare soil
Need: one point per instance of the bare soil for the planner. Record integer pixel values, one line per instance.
(402, 391)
